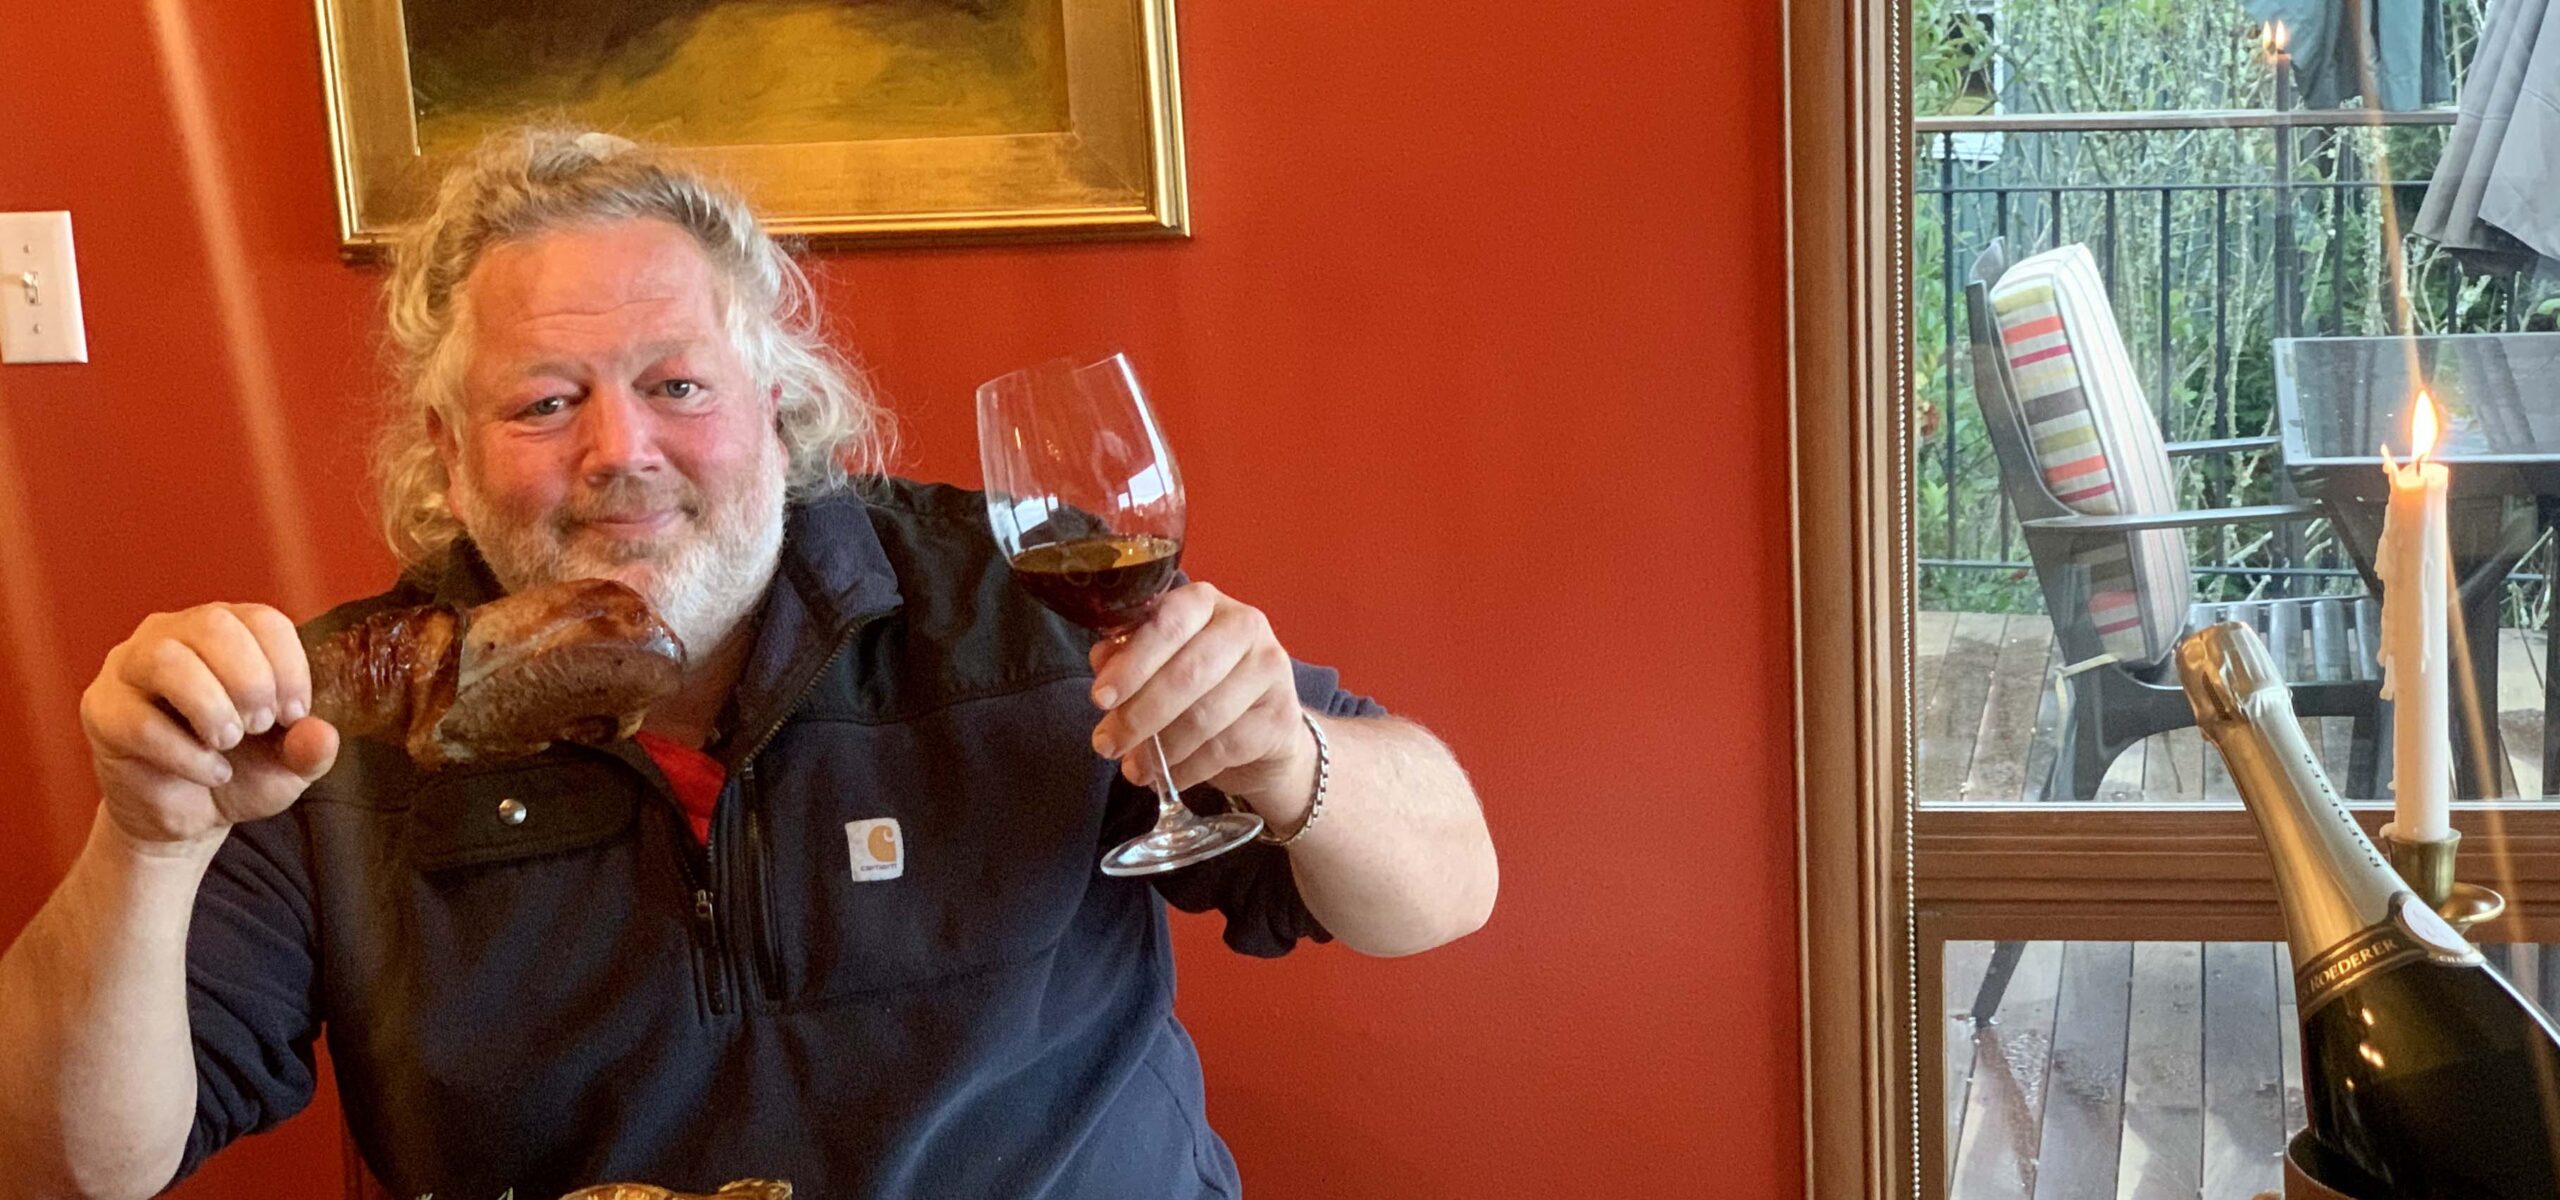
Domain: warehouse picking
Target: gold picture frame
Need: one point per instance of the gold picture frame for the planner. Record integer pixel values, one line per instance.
(1110, 164)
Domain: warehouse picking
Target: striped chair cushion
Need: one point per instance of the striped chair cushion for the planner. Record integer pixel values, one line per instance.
(2096, 443)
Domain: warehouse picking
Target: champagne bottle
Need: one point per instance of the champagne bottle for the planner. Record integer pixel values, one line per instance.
(2421, 1066)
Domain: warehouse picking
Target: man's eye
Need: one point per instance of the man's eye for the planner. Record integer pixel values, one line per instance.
(678, 389)
(547, 406)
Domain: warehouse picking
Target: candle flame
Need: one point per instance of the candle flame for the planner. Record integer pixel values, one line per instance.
(2425, 425)
(2273, 37)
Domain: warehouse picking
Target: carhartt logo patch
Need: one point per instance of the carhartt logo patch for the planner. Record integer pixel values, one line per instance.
(879, 849)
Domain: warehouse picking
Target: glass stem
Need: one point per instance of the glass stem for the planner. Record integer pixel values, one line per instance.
(1170, 810)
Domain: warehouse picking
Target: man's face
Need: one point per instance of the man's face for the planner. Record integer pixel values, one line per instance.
(610, 429)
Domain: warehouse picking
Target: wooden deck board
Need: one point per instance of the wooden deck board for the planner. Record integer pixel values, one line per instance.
(2163, 1146)
(1986, 719)
(2004, 1106)
(1965, 963)
(2084, 1086)
(2164, 1075)
(1952, 721)
(2004, 745)
(2181, 753)
(2243, 1094)
(1930, 632)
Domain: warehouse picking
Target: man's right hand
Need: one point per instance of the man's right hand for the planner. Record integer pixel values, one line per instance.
(200, 721)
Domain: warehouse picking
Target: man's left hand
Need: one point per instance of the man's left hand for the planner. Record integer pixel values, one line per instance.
(1206, 674)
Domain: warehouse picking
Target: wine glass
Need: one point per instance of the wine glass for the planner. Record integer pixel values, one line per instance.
(1087, 507)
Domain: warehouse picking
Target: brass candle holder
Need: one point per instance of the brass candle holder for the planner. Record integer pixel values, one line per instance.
(2429, 870)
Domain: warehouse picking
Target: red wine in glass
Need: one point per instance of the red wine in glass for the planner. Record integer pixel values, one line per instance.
(1107, 583)
(1087, 506)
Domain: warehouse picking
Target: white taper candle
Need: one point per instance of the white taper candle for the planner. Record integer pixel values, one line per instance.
(2415, 569)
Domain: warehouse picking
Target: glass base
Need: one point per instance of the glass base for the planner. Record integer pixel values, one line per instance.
(1163, 849)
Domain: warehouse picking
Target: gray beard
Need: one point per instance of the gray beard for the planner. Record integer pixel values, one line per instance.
(706, 583)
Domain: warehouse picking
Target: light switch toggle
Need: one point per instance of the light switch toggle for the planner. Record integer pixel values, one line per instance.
(40, 319)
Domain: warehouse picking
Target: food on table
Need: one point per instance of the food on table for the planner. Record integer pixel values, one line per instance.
(744, 1189)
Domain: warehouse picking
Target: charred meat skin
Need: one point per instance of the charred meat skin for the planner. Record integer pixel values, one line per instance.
(579, 661)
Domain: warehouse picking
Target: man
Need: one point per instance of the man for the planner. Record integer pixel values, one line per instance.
(662, 961)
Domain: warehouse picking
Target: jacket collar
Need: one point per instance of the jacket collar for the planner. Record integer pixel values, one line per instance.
(832, 575)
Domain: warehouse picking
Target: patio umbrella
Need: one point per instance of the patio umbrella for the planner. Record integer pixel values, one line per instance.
(2342, 48)
(2496, 193)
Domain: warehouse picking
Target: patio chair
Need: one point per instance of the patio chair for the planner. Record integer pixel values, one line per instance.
(2085, 469)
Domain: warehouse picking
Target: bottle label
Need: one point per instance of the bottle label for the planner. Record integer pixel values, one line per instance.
(2413, 933)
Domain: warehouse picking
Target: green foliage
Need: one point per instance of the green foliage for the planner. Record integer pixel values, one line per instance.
(2192, 229)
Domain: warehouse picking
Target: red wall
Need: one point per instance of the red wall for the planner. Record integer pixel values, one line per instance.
(1476, 364)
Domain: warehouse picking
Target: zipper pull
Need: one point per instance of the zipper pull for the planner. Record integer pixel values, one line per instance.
(715, 979)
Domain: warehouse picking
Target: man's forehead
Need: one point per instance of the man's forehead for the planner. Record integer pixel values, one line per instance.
(530, 356)
(634, 281)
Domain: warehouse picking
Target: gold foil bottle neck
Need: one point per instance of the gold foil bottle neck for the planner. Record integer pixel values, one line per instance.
(2334, 885)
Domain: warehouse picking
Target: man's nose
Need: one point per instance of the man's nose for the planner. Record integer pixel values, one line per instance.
(620, 435)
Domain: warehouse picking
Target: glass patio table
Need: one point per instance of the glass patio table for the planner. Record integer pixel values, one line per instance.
(2340, 401)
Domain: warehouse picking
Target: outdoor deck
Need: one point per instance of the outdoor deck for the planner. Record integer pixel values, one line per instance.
(1986, 717)
(2139, 1070)
(2134, 1070)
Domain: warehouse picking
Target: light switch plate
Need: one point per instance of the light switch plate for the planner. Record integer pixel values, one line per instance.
(39, 291)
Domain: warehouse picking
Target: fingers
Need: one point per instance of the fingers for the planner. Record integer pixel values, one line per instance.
(172, 677)
(199, 721)
(1123, 665)
(281, 645)
(129, 730)
(189, 686)
(309, 748)
(214, 670)
(1207, 677)
(1167, 665)
(274, 769)
(1258, 734)
(238, 659)
(1207, 718)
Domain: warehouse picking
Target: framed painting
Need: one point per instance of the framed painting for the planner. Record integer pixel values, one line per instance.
(844, 120)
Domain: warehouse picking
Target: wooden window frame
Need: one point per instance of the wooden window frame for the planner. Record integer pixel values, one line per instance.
(1882, 884)
(1846, 296)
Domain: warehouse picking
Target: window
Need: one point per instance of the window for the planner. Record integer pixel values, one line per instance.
(2172, 225)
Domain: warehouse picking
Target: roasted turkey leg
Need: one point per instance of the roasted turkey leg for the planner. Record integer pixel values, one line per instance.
(580, 661)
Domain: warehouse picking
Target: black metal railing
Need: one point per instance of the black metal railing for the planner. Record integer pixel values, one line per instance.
(2313, 234)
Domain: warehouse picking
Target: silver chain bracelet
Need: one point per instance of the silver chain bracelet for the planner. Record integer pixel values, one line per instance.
(1324, 775)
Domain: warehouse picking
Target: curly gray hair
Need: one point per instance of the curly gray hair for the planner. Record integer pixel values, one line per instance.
(528, 181)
